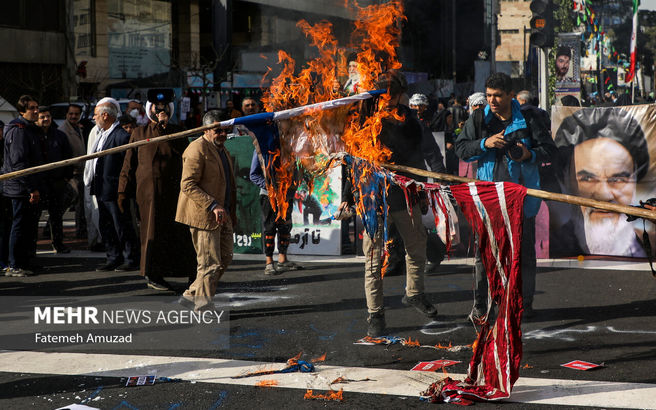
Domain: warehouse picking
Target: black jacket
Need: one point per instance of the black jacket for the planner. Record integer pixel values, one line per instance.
(55, 147)
(21, 151)
(404, 139)
(108, 168)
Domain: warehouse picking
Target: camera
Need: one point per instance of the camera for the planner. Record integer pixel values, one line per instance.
(650, 202)
(514, 150)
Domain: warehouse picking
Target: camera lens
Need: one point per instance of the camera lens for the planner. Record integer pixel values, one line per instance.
(515, 152)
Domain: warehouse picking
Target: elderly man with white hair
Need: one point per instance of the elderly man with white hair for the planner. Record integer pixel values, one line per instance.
(116, 229)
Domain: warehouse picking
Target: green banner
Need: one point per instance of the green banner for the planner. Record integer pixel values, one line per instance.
(248, 231)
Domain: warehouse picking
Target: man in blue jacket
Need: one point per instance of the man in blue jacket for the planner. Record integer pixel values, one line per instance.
(117, 232)
(509, 145)
(21, 151)
(268, 142)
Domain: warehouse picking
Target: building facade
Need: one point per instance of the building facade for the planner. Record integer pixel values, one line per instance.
(513, 23)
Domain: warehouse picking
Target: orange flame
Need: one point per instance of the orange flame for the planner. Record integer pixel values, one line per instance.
(411, 342)
(321, 358)
(266, 383)
(315, 135)
(294, 360)
(331, 395)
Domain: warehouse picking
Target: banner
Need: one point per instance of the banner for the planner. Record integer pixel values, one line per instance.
(248, 232)
(314, 231)
(607, 154)
(568, 66)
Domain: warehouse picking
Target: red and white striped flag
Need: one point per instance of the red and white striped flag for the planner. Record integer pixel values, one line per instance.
(634, 41)
(495, 211)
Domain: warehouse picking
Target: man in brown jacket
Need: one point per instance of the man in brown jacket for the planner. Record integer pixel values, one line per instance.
(207, 203)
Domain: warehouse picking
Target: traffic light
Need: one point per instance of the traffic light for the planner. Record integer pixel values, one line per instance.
(542, 28)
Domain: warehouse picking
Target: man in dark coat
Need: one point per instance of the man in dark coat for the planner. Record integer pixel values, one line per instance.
(54, 147)
(21, 151)
(153, 171)
(115, 227)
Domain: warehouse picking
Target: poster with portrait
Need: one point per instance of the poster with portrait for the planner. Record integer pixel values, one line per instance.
(314, 232)
(568, 66)
(247, 234)
(607, 154)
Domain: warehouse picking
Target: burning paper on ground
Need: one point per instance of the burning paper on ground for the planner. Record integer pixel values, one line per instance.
(331, 395)
(294, 364)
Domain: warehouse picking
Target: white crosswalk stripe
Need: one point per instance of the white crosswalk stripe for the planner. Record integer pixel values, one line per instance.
(380, 381)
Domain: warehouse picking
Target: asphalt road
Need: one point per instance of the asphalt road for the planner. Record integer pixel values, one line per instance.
(602, 316)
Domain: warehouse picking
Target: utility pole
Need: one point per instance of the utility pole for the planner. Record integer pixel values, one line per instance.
(493, 37)
(544, 78)
(453, 41)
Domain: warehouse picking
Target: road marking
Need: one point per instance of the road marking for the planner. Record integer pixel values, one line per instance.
(381, 381)
(540, 334)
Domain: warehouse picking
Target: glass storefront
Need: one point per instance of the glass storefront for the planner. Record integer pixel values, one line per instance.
(139, 38)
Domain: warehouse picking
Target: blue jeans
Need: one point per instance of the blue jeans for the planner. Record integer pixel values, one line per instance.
(528, 266)
(21, 238)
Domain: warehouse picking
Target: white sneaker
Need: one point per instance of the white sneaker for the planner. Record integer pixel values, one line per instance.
(19, 273)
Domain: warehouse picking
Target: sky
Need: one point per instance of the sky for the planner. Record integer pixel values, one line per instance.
(648, 5)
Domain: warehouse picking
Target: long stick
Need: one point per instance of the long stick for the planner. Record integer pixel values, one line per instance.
(570, 199)
(71, 161)
(279, 115)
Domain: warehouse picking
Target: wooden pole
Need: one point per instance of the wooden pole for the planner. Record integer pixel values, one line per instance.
(551, 196)
(570, 199)
(71, 161)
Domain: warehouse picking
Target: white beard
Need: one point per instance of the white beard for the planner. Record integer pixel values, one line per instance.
(607, 237)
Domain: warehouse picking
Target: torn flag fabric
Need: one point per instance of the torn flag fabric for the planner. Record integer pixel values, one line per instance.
(495, 212)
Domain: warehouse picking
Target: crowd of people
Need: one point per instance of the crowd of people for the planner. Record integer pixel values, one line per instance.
(181, 195)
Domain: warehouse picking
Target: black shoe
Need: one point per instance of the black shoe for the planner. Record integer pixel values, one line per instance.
(183, 301)
(209, 307)
(420, 303)
(61, 248)
(107, 266)
(127, 267)
(158, 284)
(376, 326)
(431, 267)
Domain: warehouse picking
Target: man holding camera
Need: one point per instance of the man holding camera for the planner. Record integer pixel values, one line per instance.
(509, 145)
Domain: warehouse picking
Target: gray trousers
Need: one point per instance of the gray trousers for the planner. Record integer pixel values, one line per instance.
(528, 266)
(414, 239)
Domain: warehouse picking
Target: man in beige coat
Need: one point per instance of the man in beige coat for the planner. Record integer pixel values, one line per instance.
(207, 203)
(71, 127)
